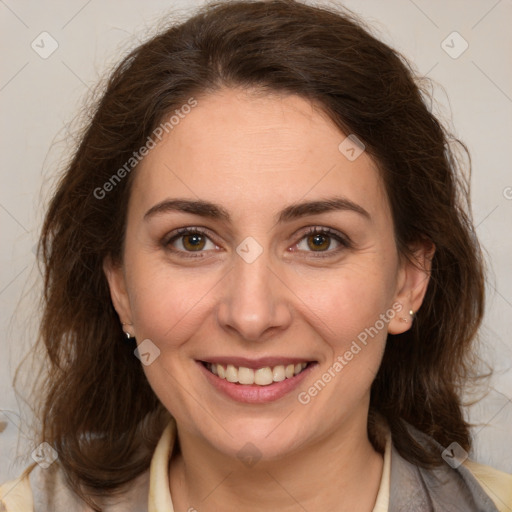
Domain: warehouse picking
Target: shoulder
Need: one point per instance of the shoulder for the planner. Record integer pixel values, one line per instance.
(37, 490)
(497, 484)
(453, 486)
(16, 495)
(40, 490)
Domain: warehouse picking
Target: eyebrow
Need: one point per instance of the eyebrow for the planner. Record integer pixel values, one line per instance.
(291, 212)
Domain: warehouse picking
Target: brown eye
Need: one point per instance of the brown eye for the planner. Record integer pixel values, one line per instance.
(319, 242)
(322, 240)
(189, 240)
(194, 242)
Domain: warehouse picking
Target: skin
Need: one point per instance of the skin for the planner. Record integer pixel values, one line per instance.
(254, 154)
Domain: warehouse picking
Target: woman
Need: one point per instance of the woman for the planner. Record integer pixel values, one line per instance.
(261, 282)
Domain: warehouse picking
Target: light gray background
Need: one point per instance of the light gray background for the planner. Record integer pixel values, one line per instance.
(39, 97)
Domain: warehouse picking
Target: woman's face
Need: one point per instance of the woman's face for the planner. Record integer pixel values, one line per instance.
(255, 240)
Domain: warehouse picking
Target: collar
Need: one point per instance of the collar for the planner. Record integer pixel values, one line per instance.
(160, 495)
(404, 487)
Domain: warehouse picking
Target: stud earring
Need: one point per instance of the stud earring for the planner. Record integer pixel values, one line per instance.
(126, 333)
(405, 320)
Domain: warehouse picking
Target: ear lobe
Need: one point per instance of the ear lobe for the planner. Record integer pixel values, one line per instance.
(412, 285)
(118, 293)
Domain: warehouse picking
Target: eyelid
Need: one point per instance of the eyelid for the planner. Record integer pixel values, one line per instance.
(187, 230)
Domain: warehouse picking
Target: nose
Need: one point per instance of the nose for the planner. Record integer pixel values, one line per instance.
(254, 301)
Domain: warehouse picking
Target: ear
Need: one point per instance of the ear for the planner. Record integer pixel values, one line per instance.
(412, 283)
(117, 283)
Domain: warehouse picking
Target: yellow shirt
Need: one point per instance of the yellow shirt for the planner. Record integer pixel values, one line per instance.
(17, 495)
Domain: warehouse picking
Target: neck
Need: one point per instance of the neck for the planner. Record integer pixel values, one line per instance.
(343, 466)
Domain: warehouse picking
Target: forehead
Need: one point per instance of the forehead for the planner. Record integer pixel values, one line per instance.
(249, 150)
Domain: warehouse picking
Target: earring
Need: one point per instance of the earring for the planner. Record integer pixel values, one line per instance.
(127, 334)
(405, 320)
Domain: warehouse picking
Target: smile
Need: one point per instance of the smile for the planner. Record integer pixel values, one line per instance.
(261, 376)
(255, 381)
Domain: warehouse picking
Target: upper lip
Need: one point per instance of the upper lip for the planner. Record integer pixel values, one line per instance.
(261, 362)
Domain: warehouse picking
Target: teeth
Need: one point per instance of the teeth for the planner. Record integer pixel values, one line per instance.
(231, 373)
(261, 376)
(245, 375)
(278, 373)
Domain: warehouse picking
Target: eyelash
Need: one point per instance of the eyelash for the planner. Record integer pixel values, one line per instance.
(344, 241)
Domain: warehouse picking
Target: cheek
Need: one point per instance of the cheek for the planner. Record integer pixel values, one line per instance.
(167, 304)
(346, 303)
(170, 308)
(351, 319)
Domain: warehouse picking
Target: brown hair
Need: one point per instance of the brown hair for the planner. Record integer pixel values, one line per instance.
(99, 411)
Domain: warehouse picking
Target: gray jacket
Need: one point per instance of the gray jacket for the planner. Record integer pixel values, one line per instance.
(443, 489)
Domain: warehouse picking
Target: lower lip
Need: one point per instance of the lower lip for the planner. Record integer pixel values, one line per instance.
(252, 393)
